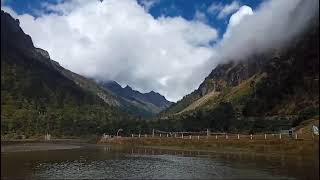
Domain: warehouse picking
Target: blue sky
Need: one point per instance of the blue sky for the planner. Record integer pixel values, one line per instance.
(171, 8)
(188, 8)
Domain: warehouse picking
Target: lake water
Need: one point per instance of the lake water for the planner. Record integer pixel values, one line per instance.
(101, 162)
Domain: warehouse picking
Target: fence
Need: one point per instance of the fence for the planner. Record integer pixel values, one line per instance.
(221, 135)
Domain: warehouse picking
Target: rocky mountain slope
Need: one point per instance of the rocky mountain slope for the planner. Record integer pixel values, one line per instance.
(152, 100)
(270, 91)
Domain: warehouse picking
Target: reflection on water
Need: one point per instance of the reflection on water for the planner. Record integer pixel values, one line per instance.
(142, 163)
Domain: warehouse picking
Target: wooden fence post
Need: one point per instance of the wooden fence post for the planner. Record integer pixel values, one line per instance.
(139, 135)
(175, 135)
(145, 135)
(190, 137)
(238, 136)
(182, 136)
(216, 136)
(265, 136)
(160, 134)
(250, 136)
(152, 132)
(132, 135)
(198, 137)
(296, 136)
(280, 136)
(226, 136)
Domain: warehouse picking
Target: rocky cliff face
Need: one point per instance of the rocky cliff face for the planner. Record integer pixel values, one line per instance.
(43, 53)
(233, 73)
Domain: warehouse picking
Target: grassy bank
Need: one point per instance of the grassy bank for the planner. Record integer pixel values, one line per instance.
(285, 146)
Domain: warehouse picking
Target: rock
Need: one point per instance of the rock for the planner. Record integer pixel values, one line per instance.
(44, 53)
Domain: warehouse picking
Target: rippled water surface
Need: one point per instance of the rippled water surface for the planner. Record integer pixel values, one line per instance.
(94, 162)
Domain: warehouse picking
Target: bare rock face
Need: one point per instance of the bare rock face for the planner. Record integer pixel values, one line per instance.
(44, 53)
(108, 100)
(233, 73)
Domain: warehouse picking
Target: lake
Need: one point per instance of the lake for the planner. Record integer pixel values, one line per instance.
(103, 161)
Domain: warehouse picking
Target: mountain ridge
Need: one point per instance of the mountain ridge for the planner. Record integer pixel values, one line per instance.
(154, 98)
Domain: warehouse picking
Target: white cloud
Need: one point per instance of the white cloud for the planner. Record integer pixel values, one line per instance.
(236, 18)
(271, 26)
(214, 8)
(148, 4)
(119, 40)
(240, 14)
(200, 16)
(223, 10)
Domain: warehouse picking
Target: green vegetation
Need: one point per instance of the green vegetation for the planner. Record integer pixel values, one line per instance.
(182, 104)
(35, 99)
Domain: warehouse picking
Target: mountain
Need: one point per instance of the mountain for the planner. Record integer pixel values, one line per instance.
(264, 92)
(38, 95)
(226, 75)
(155, 102)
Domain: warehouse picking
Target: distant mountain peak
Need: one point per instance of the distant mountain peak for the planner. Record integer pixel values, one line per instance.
(128, 87)
(152, 92)
(127, 92)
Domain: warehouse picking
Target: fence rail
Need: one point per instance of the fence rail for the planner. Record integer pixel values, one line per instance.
(219, 135)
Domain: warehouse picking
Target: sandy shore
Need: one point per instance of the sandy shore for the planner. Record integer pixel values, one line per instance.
(37, 146)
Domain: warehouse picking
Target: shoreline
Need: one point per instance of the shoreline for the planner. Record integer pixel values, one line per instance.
(276, 147)
(224, 150)
(288, 147)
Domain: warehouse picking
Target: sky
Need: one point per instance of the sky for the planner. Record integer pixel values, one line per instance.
(168, 46)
